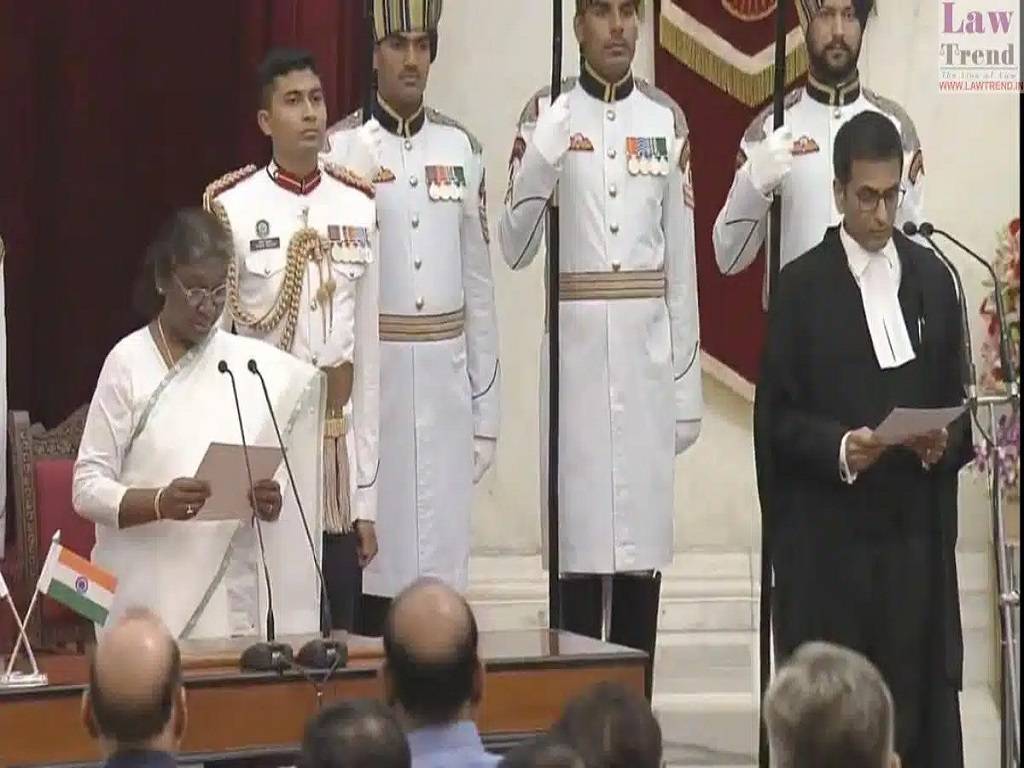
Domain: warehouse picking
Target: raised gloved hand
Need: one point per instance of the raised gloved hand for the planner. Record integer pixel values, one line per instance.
(687, 433)
(771, 161)
(365, 151)
(551, 136)
(483, 456)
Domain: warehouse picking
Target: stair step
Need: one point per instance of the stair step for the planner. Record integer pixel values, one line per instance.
(704, 662)
(699, 726)
(982, 727)
(720, 729)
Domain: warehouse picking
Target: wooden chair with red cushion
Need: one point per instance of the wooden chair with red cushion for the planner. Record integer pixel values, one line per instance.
(42, 464)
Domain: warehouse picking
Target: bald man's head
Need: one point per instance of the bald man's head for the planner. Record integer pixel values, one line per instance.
(135, 688)
(430, 643)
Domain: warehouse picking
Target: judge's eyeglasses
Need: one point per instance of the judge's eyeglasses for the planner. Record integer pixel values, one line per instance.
(868, 198)
(196, 296)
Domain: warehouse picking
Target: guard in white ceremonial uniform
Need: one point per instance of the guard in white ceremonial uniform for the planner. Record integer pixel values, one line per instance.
(439, 342)
(306, 279)
(797, 158)
(618, 153)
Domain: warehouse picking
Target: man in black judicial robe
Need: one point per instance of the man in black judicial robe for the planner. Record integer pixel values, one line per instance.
(863, 537)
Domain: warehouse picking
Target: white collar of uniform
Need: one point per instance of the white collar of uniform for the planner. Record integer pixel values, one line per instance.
(880, 298)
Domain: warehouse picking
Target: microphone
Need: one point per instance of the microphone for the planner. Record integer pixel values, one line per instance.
(321, 653)
(1005, 354)
(270, 655)
(967, 369)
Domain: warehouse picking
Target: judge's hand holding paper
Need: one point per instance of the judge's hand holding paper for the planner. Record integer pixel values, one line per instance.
(922, 430)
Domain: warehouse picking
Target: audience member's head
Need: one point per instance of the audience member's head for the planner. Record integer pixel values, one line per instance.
(612, 727)
(135, 698)
(829, 706)
(545, 752)
(355, 734)
(432, 673)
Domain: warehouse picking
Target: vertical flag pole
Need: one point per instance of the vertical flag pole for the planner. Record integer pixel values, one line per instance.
(774, 269)
(554, 270)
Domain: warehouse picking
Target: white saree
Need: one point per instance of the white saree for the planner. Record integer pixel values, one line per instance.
(204, 579)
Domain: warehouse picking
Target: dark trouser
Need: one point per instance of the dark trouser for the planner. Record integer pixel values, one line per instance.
(343, 578)
(634, 619)
(881, 598)
(373, 610)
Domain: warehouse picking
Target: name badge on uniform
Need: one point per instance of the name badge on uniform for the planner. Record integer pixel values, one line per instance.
(647, 156)
(263, 241)
(350, 245)
(580, 143)
(446, 182)
(805, 145)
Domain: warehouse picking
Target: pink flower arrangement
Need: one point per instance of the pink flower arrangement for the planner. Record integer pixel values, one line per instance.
(1007, 437)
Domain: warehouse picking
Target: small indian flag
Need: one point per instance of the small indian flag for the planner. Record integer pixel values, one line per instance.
(77, 583)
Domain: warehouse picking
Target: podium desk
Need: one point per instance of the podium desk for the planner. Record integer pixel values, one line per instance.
(530, 676)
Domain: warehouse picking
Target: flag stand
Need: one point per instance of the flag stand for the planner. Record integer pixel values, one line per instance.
(10, 679)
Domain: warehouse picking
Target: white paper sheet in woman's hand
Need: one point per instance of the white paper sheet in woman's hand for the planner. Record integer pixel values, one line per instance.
(224, 468)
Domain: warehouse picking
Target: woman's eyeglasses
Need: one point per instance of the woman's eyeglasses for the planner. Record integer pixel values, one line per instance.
(196, 296)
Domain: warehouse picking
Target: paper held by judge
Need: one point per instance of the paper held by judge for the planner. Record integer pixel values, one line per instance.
(224, 468)
(902, 424)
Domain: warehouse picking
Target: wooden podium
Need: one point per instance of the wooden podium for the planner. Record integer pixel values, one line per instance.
(530, 676)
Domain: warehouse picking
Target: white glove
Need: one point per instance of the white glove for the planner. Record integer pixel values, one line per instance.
(483, 456)
(771, 161)
(365, 153)
(551, 135)
(686, 435)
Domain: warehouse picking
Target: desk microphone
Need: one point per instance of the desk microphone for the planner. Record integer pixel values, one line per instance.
(968, 372)
(270, 655)
(321, 653)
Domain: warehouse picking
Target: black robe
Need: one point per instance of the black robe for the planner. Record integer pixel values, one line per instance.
(870, 565)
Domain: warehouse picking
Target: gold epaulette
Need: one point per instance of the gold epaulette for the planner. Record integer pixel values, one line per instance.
(226, 182)
(350, 179)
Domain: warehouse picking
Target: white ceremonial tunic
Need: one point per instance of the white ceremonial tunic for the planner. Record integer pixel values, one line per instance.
(814, 114)
(147, 426)
(436, 394)
(629, 367)
(264, 217)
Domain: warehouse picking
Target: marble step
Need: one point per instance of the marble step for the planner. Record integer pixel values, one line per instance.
(720, 730)
(712, 593)
(705, 662)
(708, 728)
(982, 726)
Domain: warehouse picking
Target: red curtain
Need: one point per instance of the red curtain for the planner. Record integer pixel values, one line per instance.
(732, 319)
(112, 114)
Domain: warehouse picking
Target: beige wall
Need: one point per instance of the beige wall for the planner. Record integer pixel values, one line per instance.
(495, 53)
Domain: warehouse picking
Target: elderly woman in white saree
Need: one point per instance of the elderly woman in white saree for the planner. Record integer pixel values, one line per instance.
(159, 403)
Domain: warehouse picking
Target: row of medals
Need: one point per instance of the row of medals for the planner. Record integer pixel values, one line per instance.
(444, 191)
(646, 165)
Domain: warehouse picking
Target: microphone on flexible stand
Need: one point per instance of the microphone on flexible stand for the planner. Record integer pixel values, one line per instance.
(1005, 343)
(323, 652)
(968, 372)
(266, 656)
